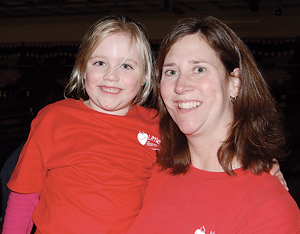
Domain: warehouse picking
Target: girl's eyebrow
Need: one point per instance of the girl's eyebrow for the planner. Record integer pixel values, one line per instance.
(124, 60)
(169, 65)
(131, 60)
(97, 57)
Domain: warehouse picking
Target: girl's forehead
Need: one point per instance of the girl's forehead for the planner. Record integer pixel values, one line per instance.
(109, 36)
(107, 41)
(122, 37)
(116, 45)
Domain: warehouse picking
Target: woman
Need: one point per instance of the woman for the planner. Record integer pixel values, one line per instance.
(220, 134)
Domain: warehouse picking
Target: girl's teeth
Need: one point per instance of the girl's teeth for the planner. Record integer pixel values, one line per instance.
(110, 90)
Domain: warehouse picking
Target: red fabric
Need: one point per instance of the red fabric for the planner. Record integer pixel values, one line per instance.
(18, 213)
(91, 168)
(204, 202)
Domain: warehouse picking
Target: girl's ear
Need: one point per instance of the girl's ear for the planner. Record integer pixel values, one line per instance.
(144, 81)
(235, 82)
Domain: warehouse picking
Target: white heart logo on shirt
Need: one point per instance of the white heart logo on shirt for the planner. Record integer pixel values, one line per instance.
(142, 137)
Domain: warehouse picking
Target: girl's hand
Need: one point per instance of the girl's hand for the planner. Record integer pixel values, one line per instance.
(275, 170)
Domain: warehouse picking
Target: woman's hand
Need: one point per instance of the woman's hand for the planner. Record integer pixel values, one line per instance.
(275, 170)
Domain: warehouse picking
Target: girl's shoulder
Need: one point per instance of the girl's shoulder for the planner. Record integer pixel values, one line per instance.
(148, 113)
(61, 108)
(62, 104)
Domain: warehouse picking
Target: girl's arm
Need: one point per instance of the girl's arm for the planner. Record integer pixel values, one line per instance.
(275, 170)
(18, 215)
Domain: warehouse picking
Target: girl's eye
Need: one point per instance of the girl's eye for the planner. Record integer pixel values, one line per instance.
(200, 69)
(126, 66)
(170, 72)
(100, 63)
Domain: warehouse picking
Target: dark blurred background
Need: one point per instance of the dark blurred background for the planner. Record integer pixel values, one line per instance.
(39, 41)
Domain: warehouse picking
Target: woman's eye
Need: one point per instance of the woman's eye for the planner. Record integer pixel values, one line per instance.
(170, 72)
(100, 63)
(200, 69)
(126, 66)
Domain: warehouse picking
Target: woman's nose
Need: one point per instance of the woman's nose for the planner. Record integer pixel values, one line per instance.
(183, 84)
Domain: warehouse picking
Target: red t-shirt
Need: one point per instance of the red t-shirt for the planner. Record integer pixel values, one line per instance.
(202, 202)
(91, 168)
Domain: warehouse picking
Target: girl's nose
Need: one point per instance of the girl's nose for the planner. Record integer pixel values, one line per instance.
(112, 76)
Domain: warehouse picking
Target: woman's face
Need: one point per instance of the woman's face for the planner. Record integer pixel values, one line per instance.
(195, 88)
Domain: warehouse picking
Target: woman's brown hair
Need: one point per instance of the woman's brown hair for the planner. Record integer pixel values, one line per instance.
(256, 134)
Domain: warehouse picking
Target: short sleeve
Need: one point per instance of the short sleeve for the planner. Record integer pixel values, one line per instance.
(274, 216)
(29, 174)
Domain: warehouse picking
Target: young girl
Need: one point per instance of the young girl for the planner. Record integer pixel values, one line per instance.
(87, 160)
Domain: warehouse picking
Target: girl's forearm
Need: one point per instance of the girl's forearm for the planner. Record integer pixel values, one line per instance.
(18, 214)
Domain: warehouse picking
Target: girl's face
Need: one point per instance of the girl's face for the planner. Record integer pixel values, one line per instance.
(196, 89)
(113, 75)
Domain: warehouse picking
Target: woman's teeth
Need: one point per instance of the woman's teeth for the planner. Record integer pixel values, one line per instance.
(188, 105)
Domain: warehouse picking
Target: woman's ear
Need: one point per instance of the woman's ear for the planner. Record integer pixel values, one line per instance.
(235, 82)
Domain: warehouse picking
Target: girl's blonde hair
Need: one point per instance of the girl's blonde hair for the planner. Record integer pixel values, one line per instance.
(97, 32)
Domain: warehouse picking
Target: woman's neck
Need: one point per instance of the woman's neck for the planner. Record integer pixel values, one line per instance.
(204, 153)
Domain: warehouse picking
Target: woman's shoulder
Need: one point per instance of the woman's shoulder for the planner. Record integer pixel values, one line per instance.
(266, 189)
(269, 206)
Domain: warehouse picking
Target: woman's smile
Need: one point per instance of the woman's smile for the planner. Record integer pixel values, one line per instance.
(188, 105)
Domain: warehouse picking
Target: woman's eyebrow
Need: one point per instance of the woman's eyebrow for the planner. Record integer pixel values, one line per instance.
(197, 61)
